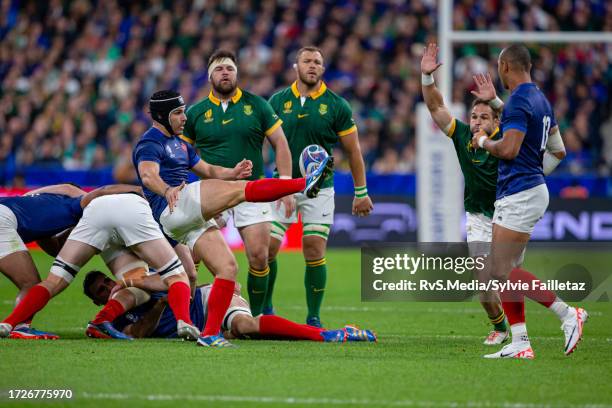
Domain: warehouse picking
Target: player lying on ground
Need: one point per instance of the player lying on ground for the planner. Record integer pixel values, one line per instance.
(163, 162)
(108, 225)
(45, 215)
(148, 314)
(522, 197)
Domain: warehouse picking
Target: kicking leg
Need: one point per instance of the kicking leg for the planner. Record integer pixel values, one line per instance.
(218, 195)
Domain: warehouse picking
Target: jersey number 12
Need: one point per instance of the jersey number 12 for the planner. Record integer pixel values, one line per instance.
(545, 130)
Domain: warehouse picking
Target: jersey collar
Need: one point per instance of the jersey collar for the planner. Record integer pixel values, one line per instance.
(495, 132)
(217, 101)
(313, 95)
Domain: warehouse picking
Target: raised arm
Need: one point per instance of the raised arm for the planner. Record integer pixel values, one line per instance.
(485, 90)
(432, 96)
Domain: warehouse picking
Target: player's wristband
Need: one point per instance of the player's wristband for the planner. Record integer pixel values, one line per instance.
(496, 103)
(361, 192)
(427, 79)
(481, 141)
(284, 177)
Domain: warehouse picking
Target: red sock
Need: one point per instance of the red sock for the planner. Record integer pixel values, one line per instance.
(265, 190)
(179, 295)
(275, 326)
(542, 296)
(218, 302)
(111, 310)
(32, 302)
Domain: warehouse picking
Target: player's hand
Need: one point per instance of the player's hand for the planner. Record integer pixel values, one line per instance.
(485, 89)
(362, 207)
(429, 62)
(118, 286)
(172, 195)
(243, 169)
(475, 138)
(289, 203)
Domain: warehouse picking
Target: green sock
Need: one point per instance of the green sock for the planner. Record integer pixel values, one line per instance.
(314, 281)
(271, 280)
(499, 322)
(257, 285)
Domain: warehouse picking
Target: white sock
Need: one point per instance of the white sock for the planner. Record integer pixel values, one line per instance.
(560, 308)
(519, 333)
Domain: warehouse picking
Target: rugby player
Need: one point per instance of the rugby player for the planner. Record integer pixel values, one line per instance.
(479, 170)
(313, 114)
(527, 124)
(43, 213)
(228, 126)
(148, 315)
(163, 161)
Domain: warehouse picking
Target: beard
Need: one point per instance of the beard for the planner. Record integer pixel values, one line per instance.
(224, 88)
(307, 79)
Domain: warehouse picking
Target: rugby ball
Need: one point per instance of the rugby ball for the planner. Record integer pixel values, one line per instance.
(311, 158)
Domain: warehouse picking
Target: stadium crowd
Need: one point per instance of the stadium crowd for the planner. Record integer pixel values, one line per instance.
(75, 76)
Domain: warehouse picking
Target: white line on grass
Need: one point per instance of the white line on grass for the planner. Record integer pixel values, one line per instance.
(396, 310)
(469, 337)
(330, 401)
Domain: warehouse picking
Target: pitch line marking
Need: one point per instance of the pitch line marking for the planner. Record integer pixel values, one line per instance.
(331, 401)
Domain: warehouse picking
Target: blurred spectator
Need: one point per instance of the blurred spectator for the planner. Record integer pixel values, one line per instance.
(75, 76)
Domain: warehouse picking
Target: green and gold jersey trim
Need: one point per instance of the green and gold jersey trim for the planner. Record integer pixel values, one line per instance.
(313, 95)
(274, 127)
(453, 126)
(217, 101)
(348, 131)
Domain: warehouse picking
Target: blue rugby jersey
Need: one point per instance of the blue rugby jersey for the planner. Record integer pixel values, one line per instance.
(43, 215)
(166, 328)
(174, 156)
(528, 111)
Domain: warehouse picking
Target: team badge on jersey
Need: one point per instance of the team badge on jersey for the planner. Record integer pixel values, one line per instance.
(248, 110)
(208, 116)
(322, 109)
(287, 107)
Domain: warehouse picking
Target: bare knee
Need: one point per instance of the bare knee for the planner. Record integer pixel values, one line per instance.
(227, 268)
(314, 248)
(259, 259)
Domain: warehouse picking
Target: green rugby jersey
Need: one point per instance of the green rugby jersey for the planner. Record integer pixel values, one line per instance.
(225, 138)
(323, 119)
(479, 169)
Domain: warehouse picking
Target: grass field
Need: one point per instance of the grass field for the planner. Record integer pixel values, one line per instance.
(428, 355)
